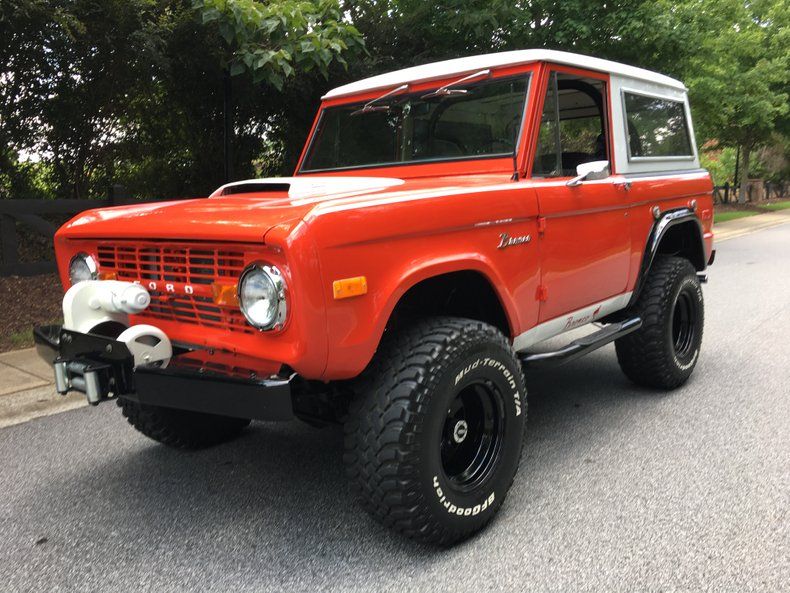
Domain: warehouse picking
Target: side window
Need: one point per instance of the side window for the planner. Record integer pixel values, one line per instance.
(657, 127)
(573, 128)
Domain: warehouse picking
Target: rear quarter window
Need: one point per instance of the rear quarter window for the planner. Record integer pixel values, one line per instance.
(656, 127)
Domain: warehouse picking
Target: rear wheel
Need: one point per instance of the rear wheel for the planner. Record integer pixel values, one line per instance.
(434, 437)
(663, 353)
(181, 429)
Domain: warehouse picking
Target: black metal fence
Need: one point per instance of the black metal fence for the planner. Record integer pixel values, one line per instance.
(27, 213)
(30, 217)
(755, 192)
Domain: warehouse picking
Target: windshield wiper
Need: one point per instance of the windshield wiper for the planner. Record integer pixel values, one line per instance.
(371, 105)
(446, 90)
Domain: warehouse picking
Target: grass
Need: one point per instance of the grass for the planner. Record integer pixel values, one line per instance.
(23, 339)
(776, 206)
(732, 215)
(751, 211)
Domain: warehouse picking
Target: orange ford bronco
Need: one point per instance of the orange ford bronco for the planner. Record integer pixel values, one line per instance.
(442, 221)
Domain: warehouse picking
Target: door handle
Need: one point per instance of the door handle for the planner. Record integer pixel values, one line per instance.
(624, 185)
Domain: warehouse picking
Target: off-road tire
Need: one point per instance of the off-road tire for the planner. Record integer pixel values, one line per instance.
(181, 429)
(658, 355)
(396, 431)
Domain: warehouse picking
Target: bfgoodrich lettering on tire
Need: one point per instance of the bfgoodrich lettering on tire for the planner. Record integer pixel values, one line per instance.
(434, 437)
(664, 352)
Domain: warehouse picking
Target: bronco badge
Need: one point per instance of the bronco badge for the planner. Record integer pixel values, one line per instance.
(506, 240)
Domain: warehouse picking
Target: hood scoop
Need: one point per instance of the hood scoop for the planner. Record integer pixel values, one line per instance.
(252, 187)
(300, 188)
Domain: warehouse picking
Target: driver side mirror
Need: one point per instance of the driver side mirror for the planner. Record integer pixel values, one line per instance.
(589, 172)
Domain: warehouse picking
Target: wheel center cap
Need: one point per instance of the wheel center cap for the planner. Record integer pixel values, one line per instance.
(460, 431)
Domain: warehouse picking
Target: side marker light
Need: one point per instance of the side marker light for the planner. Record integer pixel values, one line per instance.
(349, 287)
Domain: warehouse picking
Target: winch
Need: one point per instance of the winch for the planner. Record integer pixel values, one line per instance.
(102, 307)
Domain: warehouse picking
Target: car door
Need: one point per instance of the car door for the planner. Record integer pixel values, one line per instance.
(585, 239)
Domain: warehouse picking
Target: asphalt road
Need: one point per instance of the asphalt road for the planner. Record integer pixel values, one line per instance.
(620, 489)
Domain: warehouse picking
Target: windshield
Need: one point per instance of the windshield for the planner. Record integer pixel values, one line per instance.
(411, 128)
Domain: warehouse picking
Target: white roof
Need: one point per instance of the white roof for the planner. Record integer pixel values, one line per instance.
(471, 64)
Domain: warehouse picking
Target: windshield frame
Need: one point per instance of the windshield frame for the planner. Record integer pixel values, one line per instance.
(418, 89)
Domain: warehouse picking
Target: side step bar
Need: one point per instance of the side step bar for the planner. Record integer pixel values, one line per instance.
(582, 346)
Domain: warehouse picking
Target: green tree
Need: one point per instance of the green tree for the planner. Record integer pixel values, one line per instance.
(131, 91)
(271, 40)
(740, 79)
(74, 69)
(24, 70)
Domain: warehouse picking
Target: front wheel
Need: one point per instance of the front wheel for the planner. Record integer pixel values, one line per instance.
(434, 437)
(663, 353)
(181, 429)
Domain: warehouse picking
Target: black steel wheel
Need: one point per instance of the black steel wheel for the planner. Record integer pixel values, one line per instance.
(471, 439)
(434, 436)
(685, 318)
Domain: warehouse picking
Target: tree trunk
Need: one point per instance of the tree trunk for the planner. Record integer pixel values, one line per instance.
(227, 113)
(744, 173)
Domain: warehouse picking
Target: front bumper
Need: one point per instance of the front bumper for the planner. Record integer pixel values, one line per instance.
(103, 368)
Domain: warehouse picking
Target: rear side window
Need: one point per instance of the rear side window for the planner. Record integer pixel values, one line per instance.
(657, 127)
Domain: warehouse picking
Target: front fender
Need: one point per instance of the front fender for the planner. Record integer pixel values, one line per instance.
(405, 237)
(356, 325)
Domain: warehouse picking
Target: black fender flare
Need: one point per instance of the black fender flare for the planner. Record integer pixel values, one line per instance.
(663, 223)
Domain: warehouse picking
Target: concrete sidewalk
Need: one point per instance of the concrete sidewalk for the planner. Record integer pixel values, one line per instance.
(749, 224)
(26, 382)
(27, 390)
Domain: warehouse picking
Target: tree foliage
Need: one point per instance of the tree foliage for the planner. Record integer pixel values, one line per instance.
(740, 78)
(131, 91)
(271, 40)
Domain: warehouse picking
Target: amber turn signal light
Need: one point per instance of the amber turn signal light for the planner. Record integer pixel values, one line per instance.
(350, 287)
(225, 295)
(108, 276)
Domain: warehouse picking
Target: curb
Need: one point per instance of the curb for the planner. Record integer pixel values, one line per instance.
(749, 224)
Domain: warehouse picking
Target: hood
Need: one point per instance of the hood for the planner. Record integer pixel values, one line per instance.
(242, 211)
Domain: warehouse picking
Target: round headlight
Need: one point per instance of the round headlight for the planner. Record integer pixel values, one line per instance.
(262, 296)
(82, 267)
